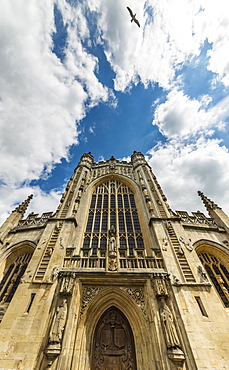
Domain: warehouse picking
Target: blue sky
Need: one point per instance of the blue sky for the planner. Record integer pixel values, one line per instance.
(78, 76)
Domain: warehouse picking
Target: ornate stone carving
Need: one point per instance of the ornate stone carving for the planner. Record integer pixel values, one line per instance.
(68, 281)
(112, 165)
(164, 243)
(186, 244)
(53, 274)
(160, 287)
(175, 280)
(76, 206)
(112, 264)
(89, 293)
(150, 207)
(137, 294)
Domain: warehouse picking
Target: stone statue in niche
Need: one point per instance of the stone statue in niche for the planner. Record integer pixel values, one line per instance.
(59, 322)
(112, 249)
(112, 242)
(170, 332)
(202, 274)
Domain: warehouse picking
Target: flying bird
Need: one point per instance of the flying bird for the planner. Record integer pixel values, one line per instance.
(133, 17)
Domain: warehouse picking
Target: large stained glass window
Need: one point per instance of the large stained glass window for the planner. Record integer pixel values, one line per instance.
(218, 274)
(113, 204)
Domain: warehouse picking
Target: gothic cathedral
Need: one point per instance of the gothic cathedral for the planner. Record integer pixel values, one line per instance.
(114, 279)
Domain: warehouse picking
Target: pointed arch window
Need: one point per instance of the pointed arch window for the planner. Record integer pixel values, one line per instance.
(113, 203)
(218, 274)
(12, 277)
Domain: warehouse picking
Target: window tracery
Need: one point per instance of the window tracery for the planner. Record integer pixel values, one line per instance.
(218, 273)
(113, 204)
(12, 277)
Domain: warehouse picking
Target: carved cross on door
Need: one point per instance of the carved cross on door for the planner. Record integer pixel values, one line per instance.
(113, 345)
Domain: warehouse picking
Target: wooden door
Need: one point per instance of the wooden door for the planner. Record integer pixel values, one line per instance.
(113, 344)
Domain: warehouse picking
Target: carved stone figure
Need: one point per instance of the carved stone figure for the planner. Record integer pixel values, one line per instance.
(180, 250)
(175, 280)
(150, 207)
(59, 322)
(54, 274)
(79, 194)
(186, 244)
(171, 337)
(202, 274)
(160, 287)
(61, 243)
(112, 242)
(112, 249)
(112, 264)
(76, 206)
(68, 284)
(164, 244)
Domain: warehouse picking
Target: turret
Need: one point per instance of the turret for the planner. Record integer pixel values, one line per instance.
(137, 159)
(86, 160)
(14, 218)
(215, 212)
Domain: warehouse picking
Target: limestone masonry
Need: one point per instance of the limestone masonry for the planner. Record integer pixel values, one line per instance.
(114, 279)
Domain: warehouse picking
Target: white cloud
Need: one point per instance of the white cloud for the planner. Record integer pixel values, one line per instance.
(42, 98)
(180, 116)
(182, 170)
(212, 23)
(171, 33)
(41, 202)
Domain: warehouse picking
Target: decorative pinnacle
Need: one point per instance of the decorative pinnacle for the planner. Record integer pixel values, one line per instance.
(24, 205)
(209, 204)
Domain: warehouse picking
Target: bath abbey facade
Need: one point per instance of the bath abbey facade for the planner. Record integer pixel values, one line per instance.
(114, 278)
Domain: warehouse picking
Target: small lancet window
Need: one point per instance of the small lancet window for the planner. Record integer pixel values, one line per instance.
(201, 306)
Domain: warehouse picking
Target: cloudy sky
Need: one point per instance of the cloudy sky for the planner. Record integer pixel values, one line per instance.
(78, 76)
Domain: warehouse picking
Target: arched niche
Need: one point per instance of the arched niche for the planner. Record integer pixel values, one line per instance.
(215, 259)
(142, 335)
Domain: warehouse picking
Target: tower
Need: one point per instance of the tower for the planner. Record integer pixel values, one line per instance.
(114, 279)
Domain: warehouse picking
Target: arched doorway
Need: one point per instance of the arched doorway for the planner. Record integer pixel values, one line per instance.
(113, 343)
